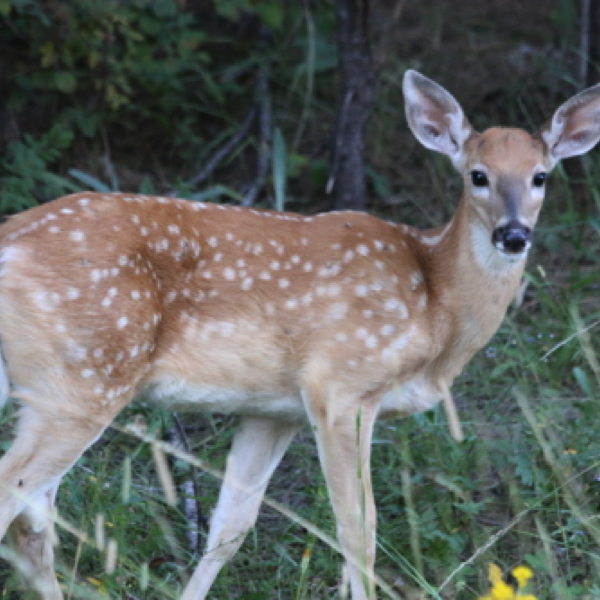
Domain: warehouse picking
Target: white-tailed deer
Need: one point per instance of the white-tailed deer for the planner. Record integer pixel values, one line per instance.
(335, 320)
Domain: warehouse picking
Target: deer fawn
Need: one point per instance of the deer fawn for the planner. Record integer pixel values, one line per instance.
(335, 319)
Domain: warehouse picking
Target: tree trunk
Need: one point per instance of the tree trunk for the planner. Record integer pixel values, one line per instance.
(593, 73)
(347, 181)
(589, 43)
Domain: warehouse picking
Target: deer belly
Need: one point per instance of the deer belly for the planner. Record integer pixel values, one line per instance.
(416, 395)
(179, 394)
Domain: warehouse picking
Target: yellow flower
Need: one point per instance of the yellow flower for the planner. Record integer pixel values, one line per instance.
(494, 573)
(501, 590)
(522, 575)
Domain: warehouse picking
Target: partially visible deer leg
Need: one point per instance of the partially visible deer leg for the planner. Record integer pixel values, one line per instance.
(257, 448)
(32, 538)
(343, 431)
(45, 447)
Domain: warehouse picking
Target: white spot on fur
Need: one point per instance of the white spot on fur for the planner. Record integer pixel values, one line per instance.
(415, 279)
(338, 310)
(371, 342)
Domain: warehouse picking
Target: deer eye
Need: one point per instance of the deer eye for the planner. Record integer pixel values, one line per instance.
(479, 179)
(539, 179)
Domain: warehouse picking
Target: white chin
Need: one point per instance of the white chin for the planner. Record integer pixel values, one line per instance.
(512, 257)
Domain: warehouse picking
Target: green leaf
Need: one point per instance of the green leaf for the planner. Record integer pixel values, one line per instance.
(89, 180)
(59, 183)
(279, 171)
(271, 14)
(215, 192)
(582, 380)
(65, 81)
(164, 8)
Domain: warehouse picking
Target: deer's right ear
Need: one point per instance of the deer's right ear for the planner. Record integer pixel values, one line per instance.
(575, 126)
(435, 117)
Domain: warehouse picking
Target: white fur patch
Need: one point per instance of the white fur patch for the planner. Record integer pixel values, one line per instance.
(411, 397)
(173, 393)
(490, 258)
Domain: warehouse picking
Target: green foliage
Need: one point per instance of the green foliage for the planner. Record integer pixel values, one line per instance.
(111, 51)
(25, 170)
(158, 81)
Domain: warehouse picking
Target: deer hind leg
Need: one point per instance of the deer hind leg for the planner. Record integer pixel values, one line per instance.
(45, 447)
(257, 448)
(32, 538)
(343, 430)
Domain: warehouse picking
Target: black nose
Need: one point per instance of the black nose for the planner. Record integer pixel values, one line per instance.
(513, 237)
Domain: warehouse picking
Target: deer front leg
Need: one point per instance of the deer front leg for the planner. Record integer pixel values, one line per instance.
(343, 430)
(257, 448)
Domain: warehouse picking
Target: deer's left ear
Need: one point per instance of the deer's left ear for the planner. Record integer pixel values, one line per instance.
(574, 128)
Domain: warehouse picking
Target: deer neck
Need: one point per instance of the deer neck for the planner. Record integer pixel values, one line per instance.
(474, 286)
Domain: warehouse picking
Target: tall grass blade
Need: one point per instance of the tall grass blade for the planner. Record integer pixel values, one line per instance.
(279, 169)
